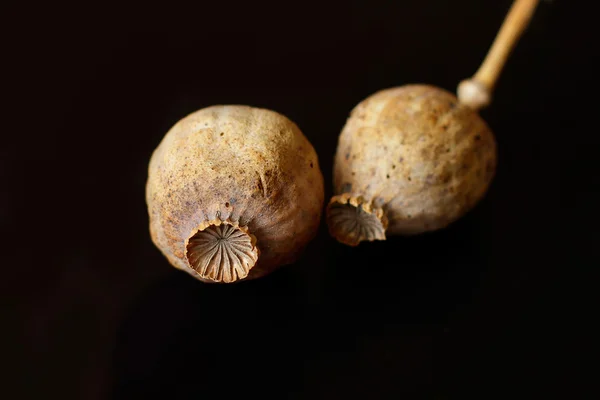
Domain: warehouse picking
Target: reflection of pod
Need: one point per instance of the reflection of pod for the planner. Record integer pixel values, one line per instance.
(409, 160)
(233, 192)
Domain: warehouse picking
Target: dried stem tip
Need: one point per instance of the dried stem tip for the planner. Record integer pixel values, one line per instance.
(352, 220)
(476, 92)
(222, 253)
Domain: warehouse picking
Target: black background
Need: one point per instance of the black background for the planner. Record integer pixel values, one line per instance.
(477, 309)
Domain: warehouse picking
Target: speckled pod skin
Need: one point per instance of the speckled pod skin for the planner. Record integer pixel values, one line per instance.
(409, 160)
(233, 192)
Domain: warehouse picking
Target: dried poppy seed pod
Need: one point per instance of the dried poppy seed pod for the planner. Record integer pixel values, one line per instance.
(233, 192)
(409, 160)
(415, 158)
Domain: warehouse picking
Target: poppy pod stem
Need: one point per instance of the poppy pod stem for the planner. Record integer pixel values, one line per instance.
(476, 92)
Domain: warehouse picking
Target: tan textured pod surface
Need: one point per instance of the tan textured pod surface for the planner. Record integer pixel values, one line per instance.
(415, 153)
(249, 168)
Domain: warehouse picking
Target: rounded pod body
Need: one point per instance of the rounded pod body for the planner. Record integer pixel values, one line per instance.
(233, 192)
(409, 160)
